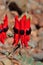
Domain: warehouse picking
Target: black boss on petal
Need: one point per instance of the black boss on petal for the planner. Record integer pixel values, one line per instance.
(22, 32)
(5, 29)
(0, 31)
(16, 30)
(28, 31)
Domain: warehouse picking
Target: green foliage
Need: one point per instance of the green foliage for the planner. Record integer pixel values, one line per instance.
(39, 63)
(30, 60)
(27, 60)
(24, 58)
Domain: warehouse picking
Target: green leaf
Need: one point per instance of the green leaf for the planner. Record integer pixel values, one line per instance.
(24, 58)
(39, 63)
(30, 60)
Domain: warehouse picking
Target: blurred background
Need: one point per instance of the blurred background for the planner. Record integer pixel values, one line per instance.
(35, 10)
